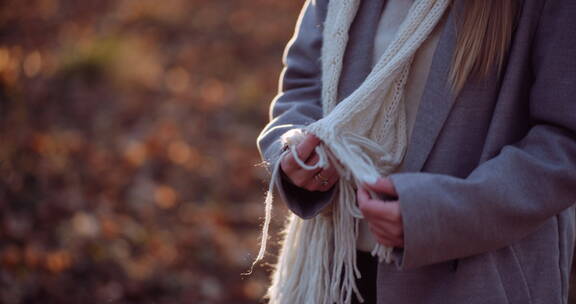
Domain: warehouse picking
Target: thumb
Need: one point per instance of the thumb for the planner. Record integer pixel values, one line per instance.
(383, 185)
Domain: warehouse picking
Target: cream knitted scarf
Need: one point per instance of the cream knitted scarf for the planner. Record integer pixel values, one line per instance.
(364, 135)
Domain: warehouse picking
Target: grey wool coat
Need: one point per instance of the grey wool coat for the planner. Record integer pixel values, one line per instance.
(489, 179)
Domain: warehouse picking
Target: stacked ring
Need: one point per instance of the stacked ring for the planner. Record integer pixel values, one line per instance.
(321, 179)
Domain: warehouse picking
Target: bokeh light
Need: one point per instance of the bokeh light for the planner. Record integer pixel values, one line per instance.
(128, 166)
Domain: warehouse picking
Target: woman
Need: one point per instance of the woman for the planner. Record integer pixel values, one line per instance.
(477, 201)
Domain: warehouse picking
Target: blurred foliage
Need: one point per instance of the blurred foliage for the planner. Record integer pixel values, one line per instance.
(128, 166)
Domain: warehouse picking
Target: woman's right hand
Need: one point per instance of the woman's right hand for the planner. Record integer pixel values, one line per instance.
(315, 180)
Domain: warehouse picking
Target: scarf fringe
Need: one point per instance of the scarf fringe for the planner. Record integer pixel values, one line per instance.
(302, 274)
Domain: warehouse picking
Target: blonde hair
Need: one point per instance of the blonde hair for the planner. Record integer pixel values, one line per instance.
(484, 32)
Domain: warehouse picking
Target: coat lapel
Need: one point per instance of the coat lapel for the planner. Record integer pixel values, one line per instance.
(436, 102)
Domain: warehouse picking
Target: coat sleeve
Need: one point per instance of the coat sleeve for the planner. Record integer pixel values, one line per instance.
(509, 196)
(297, 104)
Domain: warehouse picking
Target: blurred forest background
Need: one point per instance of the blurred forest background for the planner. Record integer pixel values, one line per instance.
(128, 166)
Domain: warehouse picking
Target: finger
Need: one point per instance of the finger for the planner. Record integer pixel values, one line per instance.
(383, 185)
(332, 181)
(391, 231)
(368, 209)
(382, 211)
(368, 206)
(315, 178)
(387, 242)
(362, 196)
(330, 172)
(309, 174)
(389, 211)
(330, 176)
(322, 181)
(305, 148)
(312, 159)
(315, 184)
(327, 186)
(304, 178)
(386, 236)
(288, 164)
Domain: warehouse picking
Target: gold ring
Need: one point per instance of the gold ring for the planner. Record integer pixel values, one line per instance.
(321, 179)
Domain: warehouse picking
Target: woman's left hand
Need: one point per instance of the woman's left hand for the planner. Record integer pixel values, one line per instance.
(383, 217)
